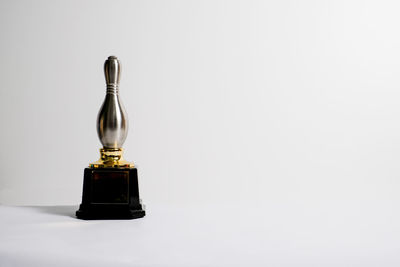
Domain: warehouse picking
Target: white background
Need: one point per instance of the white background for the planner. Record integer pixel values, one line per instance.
(266, 133)
(291, 103)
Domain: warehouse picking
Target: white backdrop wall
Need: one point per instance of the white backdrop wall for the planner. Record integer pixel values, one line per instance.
(254, 102)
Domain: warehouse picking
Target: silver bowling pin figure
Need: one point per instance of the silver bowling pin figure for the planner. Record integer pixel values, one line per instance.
(112, 120)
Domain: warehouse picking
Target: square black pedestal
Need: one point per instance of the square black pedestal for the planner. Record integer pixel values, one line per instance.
(110, 193)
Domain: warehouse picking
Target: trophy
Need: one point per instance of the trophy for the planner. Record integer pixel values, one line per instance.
(110, 185)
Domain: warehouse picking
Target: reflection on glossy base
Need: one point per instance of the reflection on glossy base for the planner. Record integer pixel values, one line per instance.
(110, 193)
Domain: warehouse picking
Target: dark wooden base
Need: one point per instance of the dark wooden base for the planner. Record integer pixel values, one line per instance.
(110, 193)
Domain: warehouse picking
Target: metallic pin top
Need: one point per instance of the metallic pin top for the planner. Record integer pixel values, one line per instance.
(112, 120)
(112, 71)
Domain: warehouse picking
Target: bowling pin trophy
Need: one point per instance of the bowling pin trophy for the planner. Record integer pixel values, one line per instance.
(110, 185)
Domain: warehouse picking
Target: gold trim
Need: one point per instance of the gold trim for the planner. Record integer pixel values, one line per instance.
(111, 158)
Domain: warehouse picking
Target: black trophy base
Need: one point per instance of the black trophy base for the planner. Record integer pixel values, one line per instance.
(110, 193)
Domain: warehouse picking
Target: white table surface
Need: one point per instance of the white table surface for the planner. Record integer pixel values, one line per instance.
(201, 236)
